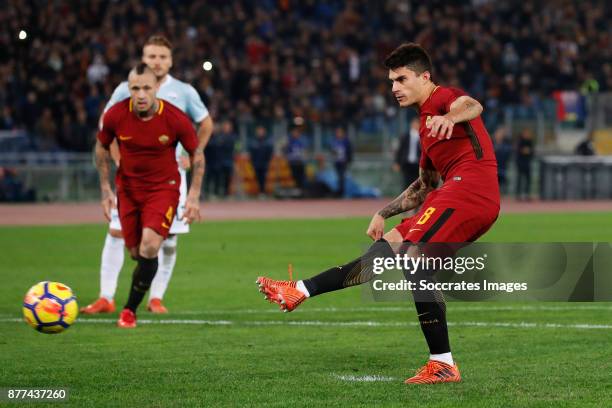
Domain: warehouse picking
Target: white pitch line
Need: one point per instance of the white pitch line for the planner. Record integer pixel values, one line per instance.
(391, 309)
(355, 323)
(452, 307)
(382, 309)
(363, 378)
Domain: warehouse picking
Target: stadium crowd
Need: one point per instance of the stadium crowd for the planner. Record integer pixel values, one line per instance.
(281, 59)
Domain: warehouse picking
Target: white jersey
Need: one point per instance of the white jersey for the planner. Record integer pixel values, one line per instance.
(186, 98)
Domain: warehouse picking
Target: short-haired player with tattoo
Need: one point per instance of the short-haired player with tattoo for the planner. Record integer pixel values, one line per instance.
(157, 54)
(148, 131)
(455, 147)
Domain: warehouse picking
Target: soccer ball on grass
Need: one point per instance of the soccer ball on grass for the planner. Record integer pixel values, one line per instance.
(50, 307)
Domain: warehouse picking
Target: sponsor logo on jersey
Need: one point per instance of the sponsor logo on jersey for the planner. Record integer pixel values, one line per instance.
(163, 139)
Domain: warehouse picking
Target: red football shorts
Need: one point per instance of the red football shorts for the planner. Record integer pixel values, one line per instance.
(450, 215)
(146, 209)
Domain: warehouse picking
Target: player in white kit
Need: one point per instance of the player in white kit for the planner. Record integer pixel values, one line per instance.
(157, 54)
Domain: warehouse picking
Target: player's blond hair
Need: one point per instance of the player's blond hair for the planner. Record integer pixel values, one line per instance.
(159, 40)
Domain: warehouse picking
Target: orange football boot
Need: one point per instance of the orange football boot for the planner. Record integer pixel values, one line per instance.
(102, 305)
(435, 372)
(283, 293)
(266, 284)
(156, 306)
(127, 319)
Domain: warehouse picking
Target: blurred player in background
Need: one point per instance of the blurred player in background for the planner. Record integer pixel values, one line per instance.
(148, 181)
(157, 54)
(454, 145)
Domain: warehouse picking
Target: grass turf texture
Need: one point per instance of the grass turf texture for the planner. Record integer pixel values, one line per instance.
(259, 359)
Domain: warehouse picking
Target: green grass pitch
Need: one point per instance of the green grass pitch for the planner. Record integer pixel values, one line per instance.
(223, 345)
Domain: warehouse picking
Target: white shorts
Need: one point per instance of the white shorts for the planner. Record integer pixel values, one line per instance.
(178, 226)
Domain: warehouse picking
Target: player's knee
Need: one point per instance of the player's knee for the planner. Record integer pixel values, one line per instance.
(169, 245)
(169, 250)
(149, 248)
(115, 233)
(393, 236)
(148, 251)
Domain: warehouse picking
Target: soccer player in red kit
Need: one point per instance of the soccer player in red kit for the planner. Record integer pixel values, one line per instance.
(147, 130)
(456, 147)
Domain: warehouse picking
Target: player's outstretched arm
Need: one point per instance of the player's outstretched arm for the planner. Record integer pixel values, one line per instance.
(410, 198)
(192, 206)
(205, 131)
(463, 109)
(103, 158)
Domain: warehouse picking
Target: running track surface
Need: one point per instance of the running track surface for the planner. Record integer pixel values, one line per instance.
(91, 213)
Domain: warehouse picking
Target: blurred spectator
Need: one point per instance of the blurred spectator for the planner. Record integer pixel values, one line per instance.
(222, 145)
(524, 157)
(97, 71)
(212, 167)
(46, 129)
(78, 135)
(7, 122)
(503, 152)
(295, 152)
(11, 189)
(342, 152)
(408, 154)
(260, 150)
(586, 148)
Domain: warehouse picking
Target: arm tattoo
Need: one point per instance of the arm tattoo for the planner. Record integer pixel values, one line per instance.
(465, 109)
(103, 165)
(414, 195)
(197, 171)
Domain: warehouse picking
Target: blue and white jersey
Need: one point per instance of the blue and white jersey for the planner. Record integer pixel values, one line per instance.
(179, 93)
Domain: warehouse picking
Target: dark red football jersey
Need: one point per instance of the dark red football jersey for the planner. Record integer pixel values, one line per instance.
(147, 148)
(470, 147)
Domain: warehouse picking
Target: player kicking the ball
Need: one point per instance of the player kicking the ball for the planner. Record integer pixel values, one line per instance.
(148, 181)
(157, 54)
(456, 146)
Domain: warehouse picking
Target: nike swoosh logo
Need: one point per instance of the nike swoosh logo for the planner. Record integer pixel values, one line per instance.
(125, 137)
(419, 315)
(415, 229)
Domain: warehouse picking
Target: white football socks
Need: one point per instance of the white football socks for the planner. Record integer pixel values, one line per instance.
(167, 260)
(444, 357)
(110, 266)
(302, 288)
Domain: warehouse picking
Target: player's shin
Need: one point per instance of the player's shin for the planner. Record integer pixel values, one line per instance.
(355, 272)
(110, 265)
(431, 312)
(141, 281)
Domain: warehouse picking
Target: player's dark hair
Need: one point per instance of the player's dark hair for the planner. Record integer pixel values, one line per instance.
(409, 55)
(159, 40)
(141, 68)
